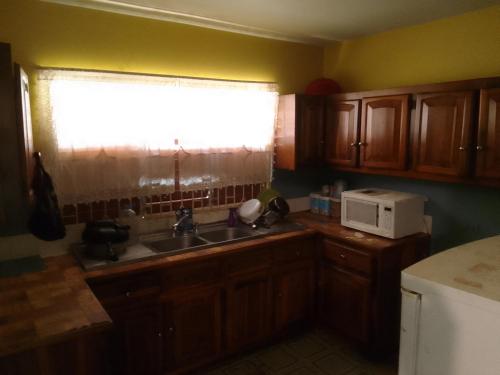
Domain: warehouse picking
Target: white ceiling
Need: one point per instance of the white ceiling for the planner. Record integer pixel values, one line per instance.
(310, 21)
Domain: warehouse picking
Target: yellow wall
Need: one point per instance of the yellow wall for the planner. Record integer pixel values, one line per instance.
(455, 48)
(47, 34)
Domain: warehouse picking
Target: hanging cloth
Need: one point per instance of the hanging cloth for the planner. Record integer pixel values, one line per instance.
(45, 221)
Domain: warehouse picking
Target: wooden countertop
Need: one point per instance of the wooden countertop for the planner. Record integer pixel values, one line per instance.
(331, 227)
(50, 306)
(40, 308)
(44, 307)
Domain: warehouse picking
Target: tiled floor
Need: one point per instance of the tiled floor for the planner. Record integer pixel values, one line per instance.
(312, 353)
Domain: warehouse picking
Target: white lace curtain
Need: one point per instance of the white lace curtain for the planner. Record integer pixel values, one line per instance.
(110, 135)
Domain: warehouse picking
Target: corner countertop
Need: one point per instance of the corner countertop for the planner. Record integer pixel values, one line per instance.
(43, 307)
(331, 227)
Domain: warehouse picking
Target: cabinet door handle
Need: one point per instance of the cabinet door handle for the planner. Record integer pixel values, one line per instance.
(361, 144)
(342, 256)
(170, 329)
(479, 148)
(127, 294)
(159, 334)
(353, 144)
(461, 148)
(297, 253)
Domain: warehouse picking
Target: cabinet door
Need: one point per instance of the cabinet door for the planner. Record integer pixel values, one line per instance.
(341, 132)
(441, 142)
(488, 137)
(384, 132)
(248, 310)
(193, 328)
(293, 295)
(285, 137)
(137, 340)
(310, 130)
(345, 302)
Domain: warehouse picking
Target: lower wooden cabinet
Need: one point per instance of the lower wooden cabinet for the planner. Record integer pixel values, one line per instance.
(80, 355)
(293, 295)
(248, 310)
(255, 295)
(345, 302)
(192, 328)
(137, 340)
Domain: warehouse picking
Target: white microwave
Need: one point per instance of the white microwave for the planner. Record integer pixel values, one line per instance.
(386, 213)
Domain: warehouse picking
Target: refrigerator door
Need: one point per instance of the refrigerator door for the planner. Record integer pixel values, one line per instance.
(410, 316)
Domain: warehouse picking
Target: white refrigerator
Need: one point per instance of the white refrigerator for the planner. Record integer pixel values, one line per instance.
(450, 313)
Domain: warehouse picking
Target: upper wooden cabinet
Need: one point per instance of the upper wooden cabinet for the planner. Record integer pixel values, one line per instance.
(442, 133)
(342, 132)
(299, 134)
(488, 135)
(384, 132)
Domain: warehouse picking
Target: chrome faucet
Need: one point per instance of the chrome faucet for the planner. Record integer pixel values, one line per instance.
(184, 221)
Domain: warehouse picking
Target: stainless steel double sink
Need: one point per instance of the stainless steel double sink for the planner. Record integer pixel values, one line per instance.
(211, 235)
(167, 243)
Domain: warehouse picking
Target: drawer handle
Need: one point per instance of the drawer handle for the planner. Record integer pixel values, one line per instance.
(159, 334)
(127, 294)
(297, 253)
(342, 256)
(170, 329)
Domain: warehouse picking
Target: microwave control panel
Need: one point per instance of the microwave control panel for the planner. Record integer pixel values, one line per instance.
(386, 215)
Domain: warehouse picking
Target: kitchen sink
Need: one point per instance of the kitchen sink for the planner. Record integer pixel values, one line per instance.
(168, 243)
(176, 243)
(228, 234)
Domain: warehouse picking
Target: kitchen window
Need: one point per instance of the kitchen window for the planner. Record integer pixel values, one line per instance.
(112, 136)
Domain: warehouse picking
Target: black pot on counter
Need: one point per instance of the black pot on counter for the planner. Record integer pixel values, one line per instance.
(99, 237)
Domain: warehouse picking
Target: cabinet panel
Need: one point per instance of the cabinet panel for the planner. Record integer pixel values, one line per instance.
(285, 133)
(248, 310)
(347, 258)
(384, 132)
(310, 130)
(341, 132)
(299, 132)
(488, 138)
(345, 302)
(193, 328)
(443, 133)
(293, 295)
(137, 340)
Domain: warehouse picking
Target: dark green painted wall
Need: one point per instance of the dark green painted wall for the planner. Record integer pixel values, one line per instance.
(460, 213)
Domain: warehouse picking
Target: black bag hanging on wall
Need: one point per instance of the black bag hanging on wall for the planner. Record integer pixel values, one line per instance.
(45, 221)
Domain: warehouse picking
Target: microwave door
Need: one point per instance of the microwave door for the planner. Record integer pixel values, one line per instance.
(362, 213)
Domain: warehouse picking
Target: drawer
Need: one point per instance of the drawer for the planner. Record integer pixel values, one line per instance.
(347, 257)
(190, 275)
(126, 288)
(249, 261)
(294, 250)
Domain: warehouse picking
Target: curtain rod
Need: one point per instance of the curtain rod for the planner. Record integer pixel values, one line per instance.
(149, 75)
